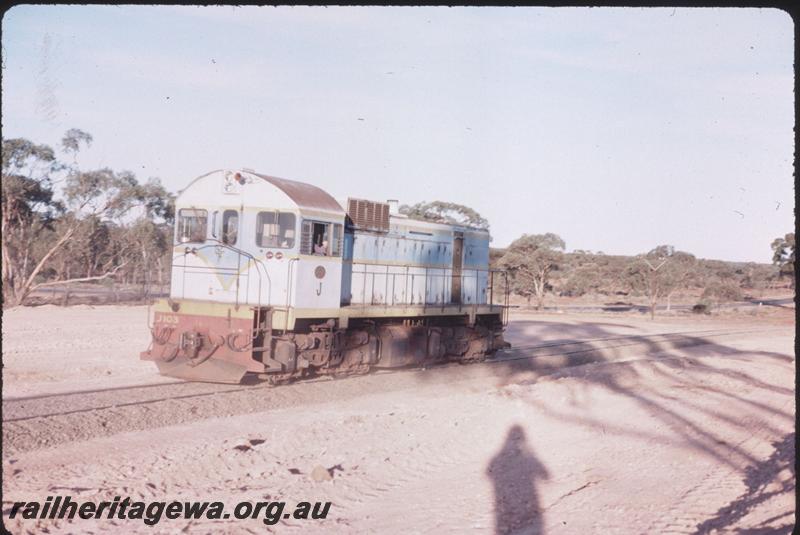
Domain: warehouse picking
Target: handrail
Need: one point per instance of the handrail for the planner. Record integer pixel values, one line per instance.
(430, 273)
(256, 262)
(289, 286)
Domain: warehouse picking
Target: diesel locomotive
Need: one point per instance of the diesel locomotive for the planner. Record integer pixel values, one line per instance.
(277, 278)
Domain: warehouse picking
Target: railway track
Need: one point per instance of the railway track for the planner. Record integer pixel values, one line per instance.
(42, 421)
(671, 340)
(42, 406)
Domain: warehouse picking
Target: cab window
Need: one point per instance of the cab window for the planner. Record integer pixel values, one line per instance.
(275, 229)
(230, 226)
(321, 238)
(191, 226)
(337, 242)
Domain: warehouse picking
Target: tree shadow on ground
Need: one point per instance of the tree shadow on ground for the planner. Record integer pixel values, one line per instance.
(764, 481)
(552, 331)
(604, 359)
(687, 383)
(514, 472)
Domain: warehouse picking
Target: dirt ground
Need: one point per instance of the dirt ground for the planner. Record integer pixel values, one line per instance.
(630, 431)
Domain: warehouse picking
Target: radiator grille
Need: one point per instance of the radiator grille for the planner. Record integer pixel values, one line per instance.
(368, 215)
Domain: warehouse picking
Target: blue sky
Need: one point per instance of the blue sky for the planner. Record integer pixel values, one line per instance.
(617, 128)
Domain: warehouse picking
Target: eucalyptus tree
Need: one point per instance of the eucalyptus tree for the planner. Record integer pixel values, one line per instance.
(530, 261)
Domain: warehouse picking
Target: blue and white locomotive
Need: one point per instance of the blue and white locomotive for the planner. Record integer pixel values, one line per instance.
(276, 277)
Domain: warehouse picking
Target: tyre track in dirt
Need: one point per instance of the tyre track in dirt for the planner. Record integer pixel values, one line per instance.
(36, 422)
(688, 512)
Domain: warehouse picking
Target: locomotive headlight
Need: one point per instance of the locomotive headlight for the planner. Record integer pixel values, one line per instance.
(269, 255)
(279, 255)
(319, 272)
